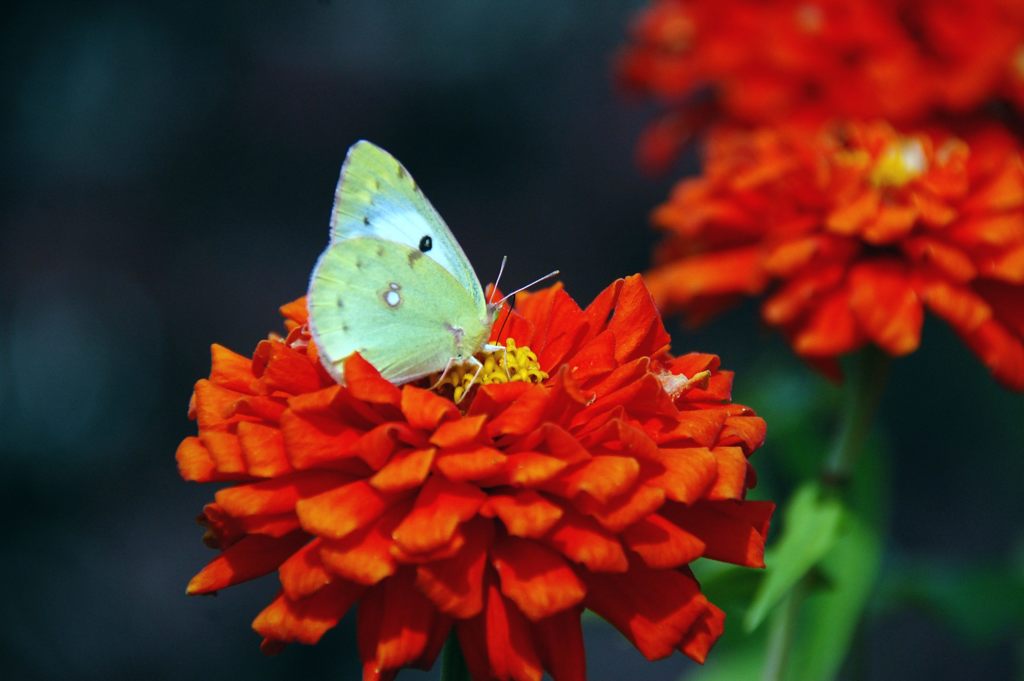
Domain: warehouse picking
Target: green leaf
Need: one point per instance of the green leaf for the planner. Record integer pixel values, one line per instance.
(831, 601)
(829, 616)
(730, 587)
(810, 529)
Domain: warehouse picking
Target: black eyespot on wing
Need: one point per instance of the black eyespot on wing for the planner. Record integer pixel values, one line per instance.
(426, 243)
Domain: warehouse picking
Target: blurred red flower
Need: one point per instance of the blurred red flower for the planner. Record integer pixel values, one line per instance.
(852, 233)
(754, 62)
(592, 489)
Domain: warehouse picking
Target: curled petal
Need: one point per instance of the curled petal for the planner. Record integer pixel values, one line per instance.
(314, 440)
(525, 513)
(559, 639)
(231, 370)
(475, 464)
(439, 508)
(250, 557)
(497, 643)
(396, 623)
(263, 450)
(732, 532)
(602, 477)
(195, 462)
(456, 584)
(303, 573)
(405, 470)
(662, 544)
(654, 609)
(366, 384)
(226, 452)
(459, 433)
(425, 409)
(535, 578)
(886, 306)
(306, 620)
(338, 512)
(583, 541)
(364, 556)
(731, 482)
(703, 634)
(279, 495)
(831, 328)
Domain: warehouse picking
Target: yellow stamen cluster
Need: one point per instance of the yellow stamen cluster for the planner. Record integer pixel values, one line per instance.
(502, 365)
(900, 162)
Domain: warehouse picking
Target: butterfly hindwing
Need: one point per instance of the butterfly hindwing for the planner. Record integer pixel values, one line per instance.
(399, 309)
(377, 197)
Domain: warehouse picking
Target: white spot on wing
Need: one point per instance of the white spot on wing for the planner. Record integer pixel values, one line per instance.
(392, 297)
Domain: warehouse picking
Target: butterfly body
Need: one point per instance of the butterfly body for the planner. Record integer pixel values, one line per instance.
(393, 284)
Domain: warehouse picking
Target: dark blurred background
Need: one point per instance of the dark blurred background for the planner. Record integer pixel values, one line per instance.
(167, 180)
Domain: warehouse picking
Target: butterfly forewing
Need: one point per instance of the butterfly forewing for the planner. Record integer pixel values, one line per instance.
(377, 197)
(399, 309)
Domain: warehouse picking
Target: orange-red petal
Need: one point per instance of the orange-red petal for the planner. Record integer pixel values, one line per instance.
(441, 505)
(535, 578)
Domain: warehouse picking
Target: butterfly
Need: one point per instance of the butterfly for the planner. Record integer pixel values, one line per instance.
(393, 284)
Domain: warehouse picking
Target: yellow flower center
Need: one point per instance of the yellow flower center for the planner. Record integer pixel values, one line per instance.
(901, 161)
(499, 365)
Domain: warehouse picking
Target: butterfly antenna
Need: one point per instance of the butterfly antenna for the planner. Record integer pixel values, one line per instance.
(523, 288)
(503, 323)
(497, 280)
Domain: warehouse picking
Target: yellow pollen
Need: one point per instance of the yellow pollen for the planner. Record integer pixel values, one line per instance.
(501, 365)
(900, 162)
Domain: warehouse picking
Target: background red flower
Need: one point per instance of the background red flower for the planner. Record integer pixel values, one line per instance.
(852, 233)
(754, 62)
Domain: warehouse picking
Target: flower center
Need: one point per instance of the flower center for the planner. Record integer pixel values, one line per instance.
(901, 161)
(507, 364)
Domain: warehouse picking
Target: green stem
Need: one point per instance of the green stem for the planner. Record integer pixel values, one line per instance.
(453, 664)
(781, 636)
(863, 393)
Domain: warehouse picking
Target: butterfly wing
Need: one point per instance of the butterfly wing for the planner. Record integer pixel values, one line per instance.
(399, 309)
(377, 197)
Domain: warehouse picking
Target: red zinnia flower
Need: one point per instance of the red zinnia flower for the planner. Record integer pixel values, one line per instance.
(786, 61)
(853, 232)
(593, 488)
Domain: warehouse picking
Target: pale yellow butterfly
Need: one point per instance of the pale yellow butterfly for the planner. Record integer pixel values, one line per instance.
(393, 284)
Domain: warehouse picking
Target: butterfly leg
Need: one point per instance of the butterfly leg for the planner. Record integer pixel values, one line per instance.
(473, 362)
(495, 347)
(447, 368)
